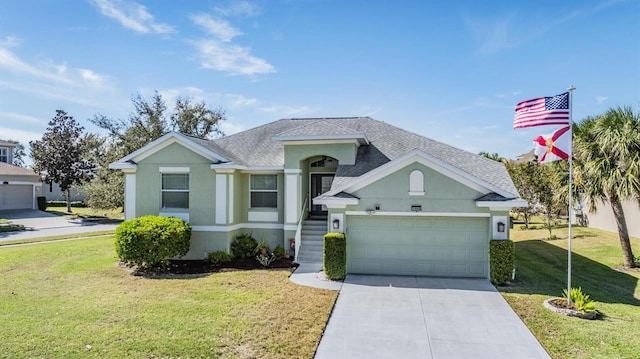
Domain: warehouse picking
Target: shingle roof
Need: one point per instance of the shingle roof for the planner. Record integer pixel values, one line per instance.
(11, 170)
(323, 127)
(256, 147)
(4, 143)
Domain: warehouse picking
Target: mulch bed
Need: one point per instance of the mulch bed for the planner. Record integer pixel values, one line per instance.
(189, 267)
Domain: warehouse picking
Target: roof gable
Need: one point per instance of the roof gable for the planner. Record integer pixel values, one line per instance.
(130, 160)
(427, 160)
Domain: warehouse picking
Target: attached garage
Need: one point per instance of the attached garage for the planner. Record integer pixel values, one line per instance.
(424, 246)
(16, 196)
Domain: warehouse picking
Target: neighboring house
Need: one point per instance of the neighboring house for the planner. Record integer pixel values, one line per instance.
(603, 218)
(19, 187)
(409, 205)
(54, 193)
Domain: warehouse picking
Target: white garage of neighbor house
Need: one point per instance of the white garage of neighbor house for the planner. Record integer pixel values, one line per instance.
(19, 187)
(408, 205)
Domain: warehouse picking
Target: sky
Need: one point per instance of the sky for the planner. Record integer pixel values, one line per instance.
(448, 70)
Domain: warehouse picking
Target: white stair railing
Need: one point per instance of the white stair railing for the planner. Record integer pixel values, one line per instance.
(298, 236)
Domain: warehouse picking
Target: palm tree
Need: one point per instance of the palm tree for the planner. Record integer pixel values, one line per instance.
(607, 158)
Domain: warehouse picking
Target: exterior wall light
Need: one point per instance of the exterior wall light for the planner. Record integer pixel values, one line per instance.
(501, 227)
(336, 223)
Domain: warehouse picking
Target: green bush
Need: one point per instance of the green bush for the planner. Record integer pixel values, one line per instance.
(335, 255)
(243, 246)
(219, 257)
(278, 251)
(78, 204)
(150, 241)
(581, 301)
(502, 260)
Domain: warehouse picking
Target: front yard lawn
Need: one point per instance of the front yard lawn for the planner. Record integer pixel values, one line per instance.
(70, 299)
(542, 268)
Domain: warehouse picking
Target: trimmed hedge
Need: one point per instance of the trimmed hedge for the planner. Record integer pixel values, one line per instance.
(335, 255)
(150, 241)
(78, 204)
(502, 256)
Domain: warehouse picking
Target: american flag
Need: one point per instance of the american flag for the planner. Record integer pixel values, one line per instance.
(543, 111)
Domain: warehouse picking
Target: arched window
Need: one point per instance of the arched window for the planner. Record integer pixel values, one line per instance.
(416, 183)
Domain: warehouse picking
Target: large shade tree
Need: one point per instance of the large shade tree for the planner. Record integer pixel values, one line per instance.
(606, 149)
(149, 121)
(60, 154)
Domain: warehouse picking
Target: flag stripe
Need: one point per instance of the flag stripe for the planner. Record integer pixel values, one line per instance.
(542, 111)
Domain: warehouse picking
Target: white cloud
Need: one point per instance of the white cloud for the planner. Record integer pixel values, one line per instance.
(219, 28)
(132, 16)
(21, 136)
(9, 41)
(286, 111)
(236, 60)
(229, 128)
(241, 101)
(16, 117)
(240, 8)
(601, 99)
(51, 80)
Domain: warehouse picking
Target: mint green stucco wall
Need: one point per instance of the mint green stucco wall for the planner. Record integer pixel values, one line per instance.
(201, 183)
(242, 191)
(442, 194)
(345, 153)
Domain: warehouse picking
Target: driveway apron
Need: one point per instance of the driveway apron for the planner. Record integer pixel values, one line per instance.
(421, 317)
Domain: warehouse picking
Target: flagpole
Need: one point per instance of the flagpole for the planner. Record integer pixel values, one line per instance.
(570, 89)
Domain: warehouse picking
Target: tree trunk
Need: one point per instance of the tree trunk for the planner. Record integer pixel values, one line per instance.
(68, 195)
(623, 233)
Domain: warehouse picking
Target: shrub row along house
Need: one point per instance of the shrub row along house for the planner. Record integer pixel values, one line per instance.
(409, 205)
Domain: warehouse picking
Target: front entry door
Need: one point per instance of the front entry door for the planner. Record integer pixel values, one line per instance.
(320, 183)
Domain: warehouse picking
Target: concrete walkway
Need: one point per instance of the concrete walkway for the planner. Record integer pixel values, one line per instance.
(420, 317)
(43, 224)
(307, 274)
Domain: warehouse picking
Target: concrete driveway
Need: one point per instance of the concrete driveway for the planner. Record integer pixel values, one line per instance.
(43, 224)
(420, 317)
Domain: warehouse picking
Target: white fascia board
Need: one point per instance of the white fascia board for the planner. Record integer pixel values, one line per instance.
(336, 202)
(320, 140)
(166, 140)
(428, 161)
(503, 205)
(122, 166)
(419, 214)
(246, 169)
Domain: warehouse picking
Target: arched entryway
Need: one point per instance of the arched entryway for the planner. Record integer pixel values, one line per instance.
(321, 173)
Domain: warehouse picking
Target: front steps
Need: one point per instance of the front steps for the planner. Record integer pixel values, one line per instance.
(313, 231)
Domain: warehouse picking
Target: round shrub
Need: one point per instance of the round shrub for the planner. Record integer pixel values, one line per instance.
(243, 246)
(150, 241)
(219, 257)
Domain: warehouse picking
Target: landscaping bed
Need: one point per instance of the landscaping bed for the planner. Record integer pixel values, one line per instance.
(177, 267)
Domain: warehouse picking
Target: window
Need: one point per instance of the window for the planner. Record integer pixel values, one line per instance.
(175, 190)
(4, 155)
(264, 191)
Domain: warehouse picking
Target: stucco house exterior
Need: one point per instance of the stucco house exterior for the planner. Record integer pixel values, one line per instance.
(408, 205)
(19, 187)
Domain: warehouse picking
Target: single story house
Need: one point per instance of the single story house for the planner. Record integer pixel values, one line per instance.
(408, 205)
(19, 187)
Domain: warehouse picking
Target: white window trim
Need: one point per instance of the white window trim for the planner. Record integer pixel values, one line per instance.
(263, 190)
(5, 155)
(162, 190)
(416, 183)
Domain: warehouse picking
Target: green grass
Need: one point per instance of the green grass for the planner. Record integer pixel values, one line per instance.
(596, 258)
(55, 238)
(85, 212)
(70, 300)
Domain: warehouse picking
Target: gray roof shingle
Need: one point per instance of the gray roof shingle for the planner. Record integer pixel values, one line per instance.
(256, 147)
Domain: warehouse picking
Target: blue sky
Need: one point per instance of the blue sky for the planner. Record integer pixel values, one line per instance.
(451, 71)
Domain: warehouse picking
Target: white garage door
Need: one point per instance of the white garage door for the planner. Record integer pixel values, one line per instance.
(16, 196)
(426, 246)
